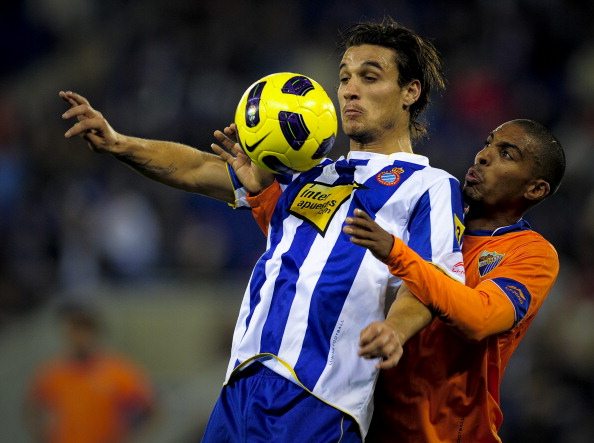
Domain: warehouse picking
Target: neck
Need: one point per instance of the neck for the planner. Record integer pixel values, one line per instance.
(387, 144)
(476, 220)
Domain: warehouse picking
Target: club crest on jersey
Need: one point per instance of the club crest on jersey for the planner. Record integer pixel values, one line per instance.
(317, 203)
(389, 178)
(488, 261)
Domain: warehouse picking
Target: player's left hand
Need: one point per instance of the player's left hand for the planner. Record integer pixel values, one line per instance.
(367, 233)
(252, 177)
(380, 340)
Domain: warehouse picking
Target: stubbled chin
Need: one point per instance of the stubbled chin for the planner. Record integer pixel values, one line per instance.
(470, 194)
(356, 132)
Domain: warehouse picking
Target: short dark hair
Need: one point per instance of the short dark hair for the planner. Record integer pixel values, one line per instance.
(550, 156)
(416, 59)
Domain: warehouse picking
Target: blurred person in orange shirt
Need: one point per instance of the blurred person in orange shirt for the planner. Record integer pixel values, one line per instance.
(87, 395)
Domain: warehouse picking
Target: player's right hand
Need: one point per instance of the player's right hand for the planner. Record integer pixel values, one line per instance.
(252, 177)
(90, 125)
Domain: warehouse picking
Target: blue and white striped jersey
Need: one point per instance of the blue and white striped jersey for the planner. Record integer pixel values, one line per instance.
(313, 291)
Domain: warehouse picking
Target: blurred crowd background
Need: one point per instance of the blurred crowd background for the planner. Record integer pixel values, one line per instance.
(168, 268)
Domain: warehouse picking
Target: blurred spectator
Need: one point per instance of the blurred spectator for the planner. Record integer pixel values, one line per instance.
(126, 232)
(87, 395)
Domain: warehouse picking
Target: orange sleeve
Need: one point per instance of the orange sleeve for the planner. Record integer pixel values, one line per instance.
(263, 205)
(477, 312)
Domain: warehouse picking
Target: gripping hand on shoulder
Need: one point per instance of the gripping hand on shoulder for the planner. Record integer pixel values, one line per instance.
(90, 125)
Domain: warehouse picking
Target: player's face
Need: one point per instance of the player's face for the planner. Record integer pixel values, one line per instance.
(371, 102)
(502, 170)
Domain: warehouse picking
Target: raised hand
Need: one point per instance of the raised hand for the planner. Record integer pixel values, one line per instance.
(366, 232)
(253, 178)
(91, 125)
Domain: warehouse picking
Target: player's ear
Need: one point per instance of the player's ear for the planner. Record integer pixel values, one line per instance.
(411, 92)
(537, 190)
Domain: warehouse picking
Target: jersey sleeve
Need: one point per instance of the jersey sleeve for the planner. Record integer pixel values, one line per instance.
(263, 205)
(435, 227)
(494, 305)
(241, 194)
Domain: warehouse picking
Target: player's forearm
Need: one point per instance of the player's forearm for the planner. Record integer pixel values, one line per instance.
(407, 315)
(176, 165)
(477, 312)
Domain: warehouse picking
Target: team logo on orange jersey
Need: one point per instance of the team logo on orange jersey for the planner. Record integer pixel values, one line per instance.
(389, 178)
(488, 261)
(317, 203)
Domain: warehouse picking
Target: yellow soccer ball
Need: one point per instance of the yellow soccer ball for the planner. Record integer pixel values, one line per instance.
(286, 122)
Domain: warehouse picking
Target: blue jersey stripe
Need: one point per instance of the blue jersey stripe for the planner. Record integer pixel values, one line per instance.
(284, 289)
(419, 227)
(458, 210)
(234, 180)
(259, 275)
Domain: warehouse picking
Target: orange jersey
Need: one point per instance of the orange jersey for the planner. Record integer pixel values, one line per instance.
(90, 402)
(446, 386)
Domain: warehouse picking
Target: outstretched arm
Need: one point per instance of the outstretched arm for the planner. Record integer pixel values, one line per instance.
(171, 163)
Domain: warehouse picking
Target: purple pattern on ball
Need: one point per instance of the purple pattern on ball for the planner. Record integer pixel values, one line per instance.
(324, 147)
(298, 85)
(294, 128)
(252, 107)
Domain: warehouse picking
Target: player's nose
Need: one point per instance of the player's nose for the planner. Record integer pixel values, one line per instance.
(350, 89)
(482, 157)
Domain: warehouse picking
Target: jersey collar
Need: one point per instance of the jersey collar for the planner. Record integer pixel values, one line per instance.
(403, 156)
(520, 225)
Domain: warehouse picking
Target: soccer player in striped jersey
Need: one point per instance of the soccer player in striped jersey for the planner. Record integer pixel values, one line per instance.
(445, 383)
(294, 372)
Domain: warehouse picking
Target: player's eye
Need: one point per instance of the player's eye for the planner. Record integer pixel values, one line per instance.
(506, 154)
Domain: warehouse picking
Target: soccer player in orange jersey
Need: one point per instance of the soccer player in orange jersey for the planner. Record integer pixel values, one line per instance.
(442, 384)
